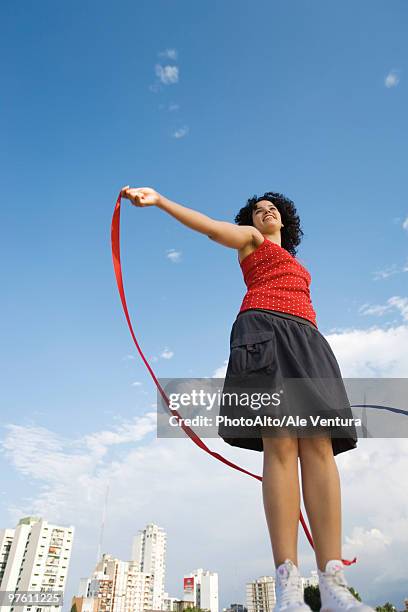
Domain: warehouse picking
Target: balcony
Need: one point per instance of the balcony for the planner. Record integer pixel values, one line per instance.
(51, 561)
(56, 542)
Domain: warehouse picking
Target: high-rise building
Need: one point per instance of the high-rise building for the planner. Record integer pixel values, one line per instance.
(235, 607)
(149, 555)
(117, 586)
(35, 556)
(6, 540)
(181, 606)
(169, 603)
(312, 580)
(201, 588)
(260, 594)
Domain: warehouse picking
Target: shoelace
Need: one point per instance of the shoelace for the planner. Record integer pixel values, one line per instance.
(292, 588)
(343, 595)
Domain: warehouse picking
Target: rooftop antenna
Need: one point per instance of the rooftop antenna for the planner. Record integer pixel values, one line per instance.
(98, 555)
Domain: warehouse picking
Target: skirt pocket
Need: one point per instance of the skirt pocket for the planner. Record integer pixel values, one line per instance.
(252, 352)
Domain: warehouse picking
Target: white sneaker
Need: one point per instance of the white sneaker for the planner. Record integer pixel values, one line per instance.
(334, 593)
(289, 589)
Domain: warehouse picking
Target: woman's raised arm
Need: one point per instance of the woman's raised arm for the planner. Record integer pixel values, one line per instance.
(227, 234)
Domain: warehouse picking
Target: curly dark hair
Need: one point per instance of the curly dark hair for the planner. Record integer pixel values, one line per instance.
(291, 233)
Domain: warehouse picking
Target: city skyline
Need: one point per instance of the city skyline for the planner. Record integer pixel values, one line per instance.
(137, 584)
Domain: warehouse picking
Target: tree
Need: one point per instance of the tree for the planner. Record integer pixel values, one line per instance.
(353, 592)
(312, 597)
(387, 607)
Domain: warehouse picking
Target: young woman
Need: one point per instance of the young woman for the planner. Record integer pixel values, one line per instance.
(275, 337)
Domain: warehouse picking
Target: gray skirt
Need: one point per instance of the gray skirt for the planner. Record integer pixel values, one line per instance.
(282, 379)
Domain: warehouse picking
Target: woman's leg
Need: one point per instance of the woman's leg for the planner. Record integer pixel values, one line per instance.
(321, 496)
(281, 496)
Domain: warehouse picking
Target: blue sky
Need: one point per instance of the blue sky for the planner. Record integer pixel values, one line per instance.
(304, 99)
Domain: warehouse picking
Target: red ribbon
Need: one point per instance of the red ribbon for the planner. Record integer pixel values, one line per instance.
(115, 239)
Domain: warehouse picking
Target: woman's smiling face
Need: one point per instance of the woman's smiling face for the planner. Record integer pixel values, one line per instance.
(266, 217)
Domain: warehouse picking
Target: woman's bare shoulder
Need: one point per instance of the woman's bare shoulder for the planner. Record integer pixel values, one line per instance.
(257, 240)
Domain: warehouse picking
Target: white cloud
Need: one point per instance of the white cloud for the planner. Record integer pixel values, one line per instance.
(390, 271)
(377, 309)
(137, 383)
(174, 107)
(167, 74)
(373, 352)
(181, 132)
(393, 303)
(129, 431)
(392, 78)
(173, 255)
(405, 224)
(168, 54)
(221, 371)
(361, 539)
(63, 465)
(155, 87)
(166, 354)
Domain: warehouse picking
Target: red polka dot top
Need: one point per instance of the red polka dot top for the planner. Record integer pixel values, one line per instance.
(275, 280)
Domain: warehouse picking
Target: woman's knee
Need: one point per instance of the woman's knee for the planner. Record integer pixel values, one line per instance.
(282, 448)
(315, 447)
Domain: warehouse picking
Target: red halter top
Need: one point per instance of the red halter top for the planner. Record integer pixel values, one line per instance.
(276, 280)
